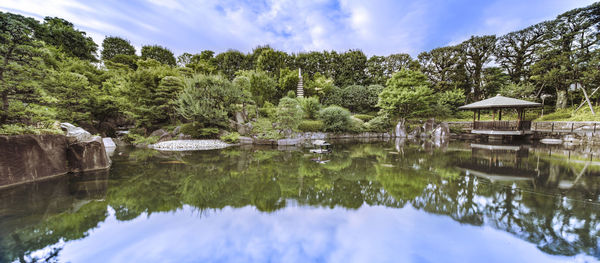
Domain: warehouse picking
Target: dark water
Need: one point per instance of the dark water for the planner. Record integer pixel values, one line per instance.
(365, 202)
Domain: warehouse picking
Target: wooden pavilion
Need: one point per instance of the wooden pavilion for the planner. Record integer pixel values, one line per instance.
(501, 127)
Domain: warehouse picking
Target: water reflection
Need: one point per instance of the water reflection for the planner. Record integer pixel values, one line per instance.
(547, 200)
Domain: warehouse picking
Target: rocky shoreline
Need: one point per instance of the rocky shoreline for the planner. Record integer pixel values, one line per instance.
(189, 145)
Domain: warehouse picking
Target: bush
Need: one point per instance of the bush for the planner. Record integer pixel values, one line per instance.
(310, 126)
(14, 129)
(289, 114)
(291, 94)
(310, 106)
(364, 117)
(335, 119)
(356, 125)
(199, 132)
(231, 137)
(379, 124)
(558, 115)
(139, 139)
(263, 129)
(268, 110)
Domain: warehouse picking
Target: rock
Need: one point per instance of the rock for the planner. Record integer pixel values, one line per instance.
(429, 126)
(296, 141)
(165, 137)
(176, 130)
(182, 136)
(26, 158)
(264, 142)
(108, 142)
(85, 156)
(76, 132)
(441, 131)
(109, 146)
(245, 140)
(400, 130)
(158, 133)
(551, 141)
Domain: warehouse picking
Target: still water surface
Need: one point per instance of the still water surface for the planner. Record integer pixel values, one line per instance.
(364, 202)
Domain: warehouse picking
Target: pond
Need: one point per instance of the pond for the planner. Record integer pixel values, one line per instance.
(392, 201)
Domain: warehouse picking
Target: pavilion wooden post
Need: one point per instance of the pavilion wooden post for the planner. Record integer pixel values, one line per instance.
(479, 114)
(500, 114)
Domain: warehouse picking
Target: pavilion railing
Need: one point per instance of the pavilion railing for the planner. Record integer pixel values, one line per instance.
(502, 125)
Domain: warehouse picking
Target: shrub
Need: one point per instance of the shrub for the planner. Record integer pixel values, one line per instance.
(291, 94)
(356, 125)
(379, 124)
(15, 129)
(310, 126)
(289, 114)
(268, 110)
(364, 117)
(263, 129)
(310, 106)
(231, 137)
(199, 132)
(560, 114)
(335, 118)
(139, 139)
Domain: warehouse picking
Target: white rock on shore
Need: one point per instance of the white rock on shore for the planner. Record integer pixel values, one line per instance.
(189, 145)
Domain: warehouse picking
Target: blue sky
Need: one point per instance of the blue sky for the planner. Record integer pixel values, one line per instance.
(378, 27)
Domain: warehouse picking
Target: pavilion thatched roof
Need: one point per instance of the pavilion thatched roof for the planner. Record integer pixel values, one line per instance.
(499, 102)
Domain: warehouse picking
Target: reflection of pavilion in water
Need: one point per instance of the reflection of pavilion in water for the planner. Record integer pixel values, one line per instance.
(511, 163)
(499, 162)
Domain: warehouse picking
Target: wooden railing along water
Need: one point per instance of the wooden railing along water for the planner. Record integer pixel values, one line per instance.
(502, 125)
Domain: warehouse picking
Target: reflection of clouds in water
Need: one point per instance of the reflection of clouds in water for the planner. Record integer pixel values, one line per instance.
(300, 234)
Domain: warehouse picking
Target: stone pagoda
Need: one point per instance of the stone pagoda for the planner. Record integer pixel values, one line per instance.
(300, 91)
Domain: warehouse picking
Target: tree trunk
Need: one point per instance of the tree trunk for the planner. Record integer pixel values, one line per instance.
(561, 99)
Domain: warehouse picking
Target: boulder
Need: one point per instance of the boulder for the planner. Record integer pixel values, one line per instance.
(245, 140)
(109, 146)
(165, 137)
(285, 142)
(182, 136)
(85, 156)
(400, 130)
(26, 158)
(78, 133)
(176, 131)
(441, 131)
(158, 133)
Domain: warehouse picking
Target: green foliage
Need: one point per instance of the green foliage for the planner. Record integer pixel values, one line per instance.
(269, 110)
(113, 46)
(199, 132)
(447, 102)
(407, 95)
(61, 34)
(231, 137)
(357, 98)
(356, 125)
(16, 129)
(311, 125)
(289, 114)
(263, 129)
(208, 100)
(524, 91)
(158, 53)
(310, 107)
(335, 119)
(380, 123)
(364, 117)
(142, 140)
(291, 94)
(259, 84)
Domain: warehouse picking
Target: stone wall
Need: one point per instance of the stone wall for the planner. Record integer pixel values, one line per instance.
(25, 158)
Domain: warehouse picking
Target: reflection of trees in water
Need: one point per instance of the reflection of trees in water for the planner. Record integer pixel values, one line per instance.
(374, 174)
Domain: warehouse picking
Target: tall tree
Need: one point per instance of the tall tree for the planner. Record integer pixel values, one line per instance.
(441, 65)
(230, 62)
(160, 54)
(477, 52)
(112, 46)
(62, 34)
(517, 51)
(19, 56)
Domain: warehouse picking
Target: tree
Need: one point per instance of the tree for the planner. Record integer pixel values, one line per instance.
(289, 114)
(113, 46)
(20, 57)
(230, 62)
(207, 100)
(517, 51)
(407, 94)
(261, 86)
(477, 52)
(272, 62)
(350, 69)
(62, 34)
(441, 65)
(335, 119)
(160, 54)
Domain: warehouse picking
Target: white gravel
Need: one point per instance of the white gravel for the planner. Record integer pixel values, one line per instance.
(189, 145)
